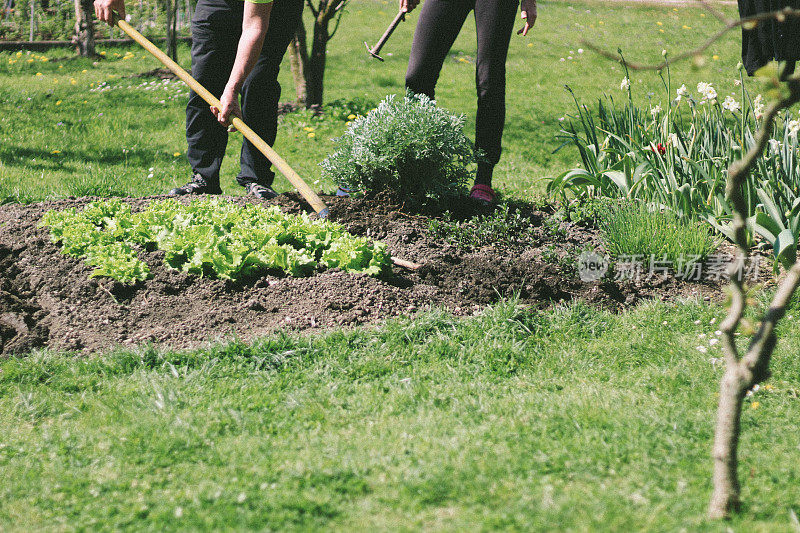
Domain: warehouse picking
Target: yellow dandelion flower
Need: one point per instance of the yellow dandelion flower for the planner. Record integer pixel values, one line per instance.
(61, 66)
(56, 152)
(755, 405)
(768, 387)
(312, 135)
(45, 60)
(19, 54)
(715, 57)
(351, 116)
(601, 22)
(348, 122)
(675, 9)
(116, 54)
(85, 101)
(73, 81)
(685, 27)
(530, 45)
(662, 31)
(703, 15)
(84, 71)
(30, 61)
(176, 154)
(58, 103)
(308, 128)
(102, 53)
(55, 80)
(38, 73)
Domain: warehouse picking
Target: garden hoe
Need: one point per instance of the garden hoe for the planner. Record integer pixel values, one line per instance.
(375, 50)
(311, 197)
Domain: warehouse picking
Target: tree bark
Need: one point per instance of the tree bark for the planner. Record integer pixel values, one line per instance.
(84, 28)
(172, 34)
(725, 497)
(298, 60)
(315, 71)
(742, 373)
(33, 20)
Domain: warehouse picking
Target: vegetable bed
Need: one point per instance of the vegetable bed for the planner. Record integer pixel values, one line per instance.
(49, 299)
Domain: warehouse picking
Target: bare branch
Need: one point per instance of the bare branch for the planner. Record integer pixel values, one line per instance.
(780, 16)
(756, 361)
(340, 13)
(719, 15)
(311, 7)
(740, 373)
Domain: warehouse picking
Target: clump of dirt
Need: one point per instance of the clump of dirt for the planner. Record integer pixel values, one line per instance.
(48, 300)
(21, 325)
(160, 73)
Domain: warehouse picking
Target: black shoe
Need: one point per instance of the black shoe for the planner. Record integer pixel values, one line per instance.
(197, 185)
(262, 192)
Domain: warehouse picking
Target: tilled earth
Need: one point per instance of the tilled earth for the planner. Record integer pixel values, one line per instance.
(48, 300)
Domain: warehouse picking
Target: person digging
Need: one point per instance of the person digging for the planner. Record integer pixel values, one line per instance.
(237, 49)
(439, 24)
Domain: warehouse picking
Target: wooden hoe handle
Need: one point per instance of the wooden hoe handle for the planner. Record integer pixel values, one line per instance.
(375, 50)
(311, 197)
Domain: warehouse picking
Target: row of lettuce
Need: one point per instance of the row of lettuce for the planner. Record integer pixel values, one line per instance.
(214, 237)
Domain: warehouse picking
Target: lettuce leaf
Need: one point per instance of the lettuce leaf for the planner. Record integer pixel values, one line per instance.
(209, 237)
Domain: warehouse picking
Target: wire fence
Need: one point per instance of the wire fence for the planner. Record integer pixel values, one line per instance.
(54, 20)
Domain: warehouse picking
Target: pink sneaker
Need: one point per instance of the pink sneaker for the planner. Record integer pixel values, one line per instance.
(482, 194)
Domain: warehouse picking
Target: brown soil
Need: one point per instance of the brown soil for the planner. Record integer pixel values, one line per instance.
(48, 300)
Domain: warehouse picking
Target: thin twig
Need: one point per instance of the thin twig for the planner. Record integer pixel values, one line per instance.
(719, 15)
(773, 15)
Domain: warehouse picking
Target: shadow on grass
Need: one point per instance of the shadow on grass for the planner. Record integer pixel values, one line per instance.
(69, 159)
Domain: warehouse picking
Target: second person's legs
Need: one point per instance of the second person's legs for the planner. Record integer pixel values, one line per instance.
(439, 23)
(494, 20)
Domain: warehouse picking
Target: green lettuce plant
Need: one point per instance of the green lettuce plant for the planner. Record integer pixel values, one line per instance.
(209, 238)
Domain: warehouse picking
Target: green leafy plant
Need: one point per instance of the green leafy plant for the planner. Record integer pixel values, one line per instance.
(504, 227)
(408, 145)
(209, 237)
(677, 159)
(634, 230)
(587, 210)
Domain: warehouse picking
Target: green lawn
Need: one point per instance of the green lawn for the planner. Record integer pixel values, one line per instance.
(108, 140)
(568, 419)
(571, 419)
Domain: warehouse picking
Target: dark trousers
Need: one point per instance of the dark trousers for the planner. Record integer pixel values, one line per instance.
(216, 28)
(439, 24)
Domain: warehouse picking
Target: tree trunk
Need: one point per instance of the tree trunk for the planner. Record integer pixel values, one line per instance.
(725, 497)
(172, 34)
(84, 28)
(33, 21)
(189, 13)
(298, 59)
(315, 71)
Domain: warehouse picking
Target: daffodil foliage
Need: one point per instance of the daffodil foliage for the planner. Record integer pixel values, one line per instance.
(209, 238)
(677, 158)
